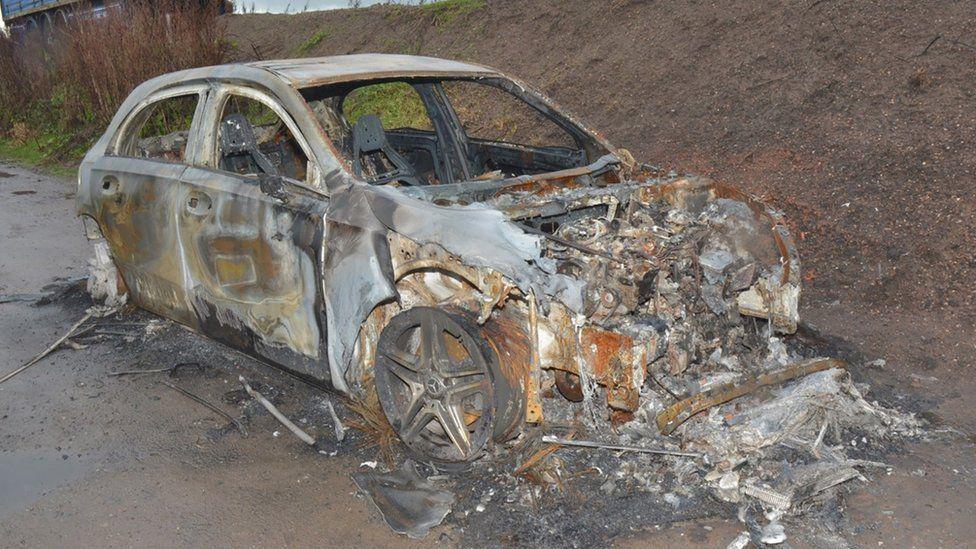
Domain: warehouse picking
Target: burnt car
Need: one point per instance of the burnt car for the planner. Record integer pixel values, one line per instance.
(429, 229)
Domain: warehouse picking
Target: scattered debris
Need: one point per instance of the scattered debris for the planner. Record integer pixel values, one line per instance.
(539, 454)
(773, 534)
(878, 363)
(740, 542)
(306, 438)
(616, 447)
(74, 345)
(138, 372)
(232, 419)
(95, 311)
(181, 366)
(768, 496)
(340, 430)
(679, 412)
(409, 504)
(21, 298)
(103, 276)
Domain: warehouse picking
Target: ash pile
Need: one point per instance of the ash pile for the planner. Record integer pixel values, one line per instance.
(735, 412)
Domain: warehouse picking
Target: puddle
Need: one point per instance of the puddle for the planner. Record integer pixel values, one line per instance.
(25, 476)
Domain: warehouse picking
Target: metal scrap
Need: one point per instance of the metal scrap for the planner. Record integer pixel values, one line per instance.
(408, 503)
(240, 426)
(679, 412)
(298, 432)
(617, 447)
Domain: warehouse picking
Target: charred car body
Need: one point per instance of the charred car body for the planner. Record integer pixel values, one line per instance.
(372, 221)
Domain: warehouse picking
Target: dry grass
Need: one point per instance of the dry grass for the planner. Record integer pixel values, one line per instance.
(372, 422)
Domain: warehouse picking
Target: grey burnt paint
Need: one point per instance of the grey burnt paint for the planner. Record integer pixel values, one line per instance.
(356, 271)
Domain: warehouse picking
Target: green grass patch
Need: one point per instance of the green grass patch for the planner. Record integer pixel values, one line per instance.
(39, 142)
(313, 41)
(445, 12)
(396, 104)
(36, 153)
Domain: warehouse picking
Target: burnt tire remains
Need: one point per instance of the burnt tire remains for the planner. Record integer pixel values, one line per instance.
(435, 377)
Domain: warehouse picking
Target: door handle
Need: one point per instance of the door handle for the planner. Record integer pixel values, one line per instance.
(198, 203)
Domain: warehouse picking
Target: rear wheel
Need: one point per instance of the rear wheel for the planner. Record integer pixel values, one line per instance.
(435, 381)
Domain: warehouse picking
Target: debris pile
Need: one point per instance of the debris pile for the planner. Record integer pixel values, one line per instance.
(763, 445)
(732, 412)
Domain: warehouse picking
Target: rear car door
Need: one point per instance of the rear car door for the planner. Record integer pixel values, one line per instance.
(136, 198)
(252, 237)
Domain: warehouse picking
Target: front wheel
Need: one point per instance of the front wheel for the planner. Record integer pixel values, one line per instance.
(435, 377)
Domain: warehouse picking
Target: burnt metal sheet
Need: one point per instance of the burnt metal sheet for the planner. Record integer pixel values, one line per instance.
(319, 71)
(357, 277)
(673, 416)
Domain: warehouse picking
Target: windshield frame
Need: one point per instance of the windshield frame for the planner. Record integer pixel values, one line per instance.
(448, 129)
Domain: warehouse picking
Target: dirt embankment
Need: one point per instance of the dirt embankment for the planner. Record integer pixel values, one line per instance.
(846, 115)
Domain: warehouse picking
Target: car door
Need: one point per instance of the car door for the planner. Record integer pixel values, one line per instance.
(136, 198)
(251, 238)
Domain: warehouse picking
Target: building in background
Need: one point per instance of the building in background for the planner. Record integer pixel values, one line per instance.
(26, 15)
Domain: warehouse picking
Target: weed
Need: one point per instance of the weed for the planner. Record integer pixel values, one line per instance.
(445, 12)
(313, 41)
(372, 423)
(397, 104)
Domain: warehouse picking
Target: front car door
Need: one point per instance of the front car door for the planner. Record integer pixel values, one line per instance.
(136, 197)
(252, 231)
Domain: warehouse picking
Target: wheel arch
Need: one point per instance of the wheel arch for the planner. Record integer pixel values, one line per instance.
(487, 292)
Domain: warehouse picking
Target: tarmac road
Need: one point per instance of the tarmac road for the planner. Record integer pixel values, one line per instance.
(91, 460)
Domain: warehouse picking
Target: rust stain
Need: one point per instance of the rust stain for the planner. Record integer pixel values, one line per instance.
(610, 356)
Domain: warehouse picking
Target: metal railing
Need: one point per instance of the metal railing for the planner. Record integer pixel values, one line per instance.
(18, 8)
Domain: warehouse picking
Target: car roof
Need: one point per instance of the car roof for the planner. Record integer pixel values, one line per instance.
(318, 71)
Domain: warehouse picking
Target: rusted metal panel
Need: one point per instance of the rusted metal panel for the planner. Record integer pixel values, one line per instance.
(618, 362)
(676, 414)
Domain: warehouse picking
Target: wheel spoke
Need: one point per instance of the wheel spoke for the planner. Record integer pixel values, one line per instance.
(403, 358)
(432, 349)
(421, 417)
(464, 369)
(407, 376)
(453, 424)
(456, 393)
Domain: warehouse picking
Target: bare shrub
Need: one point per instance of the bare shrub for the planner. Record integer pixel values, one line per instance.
(74, 76)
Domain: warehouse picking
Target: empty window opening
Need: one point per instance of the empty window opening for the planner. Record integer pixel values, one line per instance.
(252, 139)
(161, 130)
